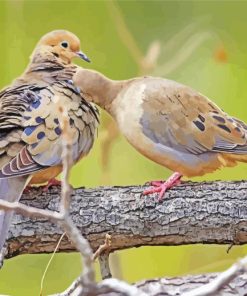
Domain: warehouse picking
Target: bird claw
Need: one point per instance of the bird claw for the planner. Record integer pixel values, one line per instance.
(161, 187)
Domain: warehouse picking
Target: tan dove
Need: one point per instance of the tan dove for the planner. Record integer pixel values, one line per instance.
(30, 119)
(170, 123)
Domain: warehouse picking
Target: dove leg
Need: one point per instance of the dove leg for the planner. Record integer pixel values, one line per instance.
(162, 187)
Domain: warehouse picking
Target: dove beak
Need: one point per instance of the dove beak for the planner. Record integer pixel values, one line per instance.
(82, 55)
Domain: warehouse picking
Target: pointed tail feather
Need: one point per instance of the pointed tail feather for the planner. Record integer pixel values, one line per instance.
(10, 190)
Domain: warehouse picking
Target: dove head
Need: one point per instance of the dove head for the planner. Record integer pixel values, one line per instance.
(97, 88)
(61, 44)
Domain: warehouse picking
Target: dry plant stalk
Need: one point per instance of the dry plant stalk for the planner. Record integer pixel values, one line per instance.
(102, 248)
(82, 245)
(103, 254)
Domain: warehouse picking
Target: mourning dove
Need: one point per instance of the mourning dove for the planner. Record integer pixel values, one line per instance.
(30, 119)
(170, 123)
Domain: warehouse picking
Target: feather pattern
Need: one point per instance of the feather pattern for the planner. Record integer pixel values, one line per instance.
(184, 119)
(31, 116)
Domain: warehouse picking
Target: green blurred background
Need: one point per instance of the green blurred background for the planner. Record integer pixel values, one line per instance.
(201, 44)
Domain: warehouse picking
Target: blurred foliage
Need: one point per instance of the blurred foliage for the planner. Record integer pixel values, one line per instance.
(201, 44)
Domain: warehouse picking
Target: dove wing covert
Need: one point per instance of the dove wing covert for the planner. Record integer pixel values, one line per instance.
(30, 126)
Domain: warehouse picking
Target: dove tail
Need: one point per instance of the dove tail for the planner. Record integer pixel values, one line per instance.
(10, 190)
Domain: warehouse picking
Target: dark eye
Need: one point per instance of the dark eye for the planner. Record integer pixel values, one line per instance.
(64, 44)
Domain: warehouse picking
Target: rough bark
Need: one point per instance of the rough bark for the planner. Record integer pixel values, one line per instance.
(210, 212)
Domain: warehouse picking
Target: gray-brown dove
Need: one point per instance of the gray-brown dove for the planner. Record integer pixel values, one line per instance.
(169, 123)
(31, 118)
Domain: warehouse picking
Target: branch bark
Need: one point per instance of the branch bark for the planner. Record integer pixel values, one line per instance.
(209, 212)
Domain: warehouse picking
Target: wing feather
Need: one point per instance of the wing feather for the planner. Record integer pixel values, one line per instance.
(185, 120)
(21, 164)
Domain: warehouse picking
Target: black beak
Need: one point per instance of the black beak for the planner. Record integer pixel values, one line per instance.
(83, 56)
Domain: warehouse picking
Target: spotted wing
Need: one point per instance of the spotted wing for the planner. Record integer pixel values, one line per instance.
(44, 120)
(181, 118)
(14, 157)
(39, 128)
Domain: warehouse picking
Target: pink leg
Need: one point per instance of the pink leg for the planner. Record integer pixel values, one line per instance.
(162, 187)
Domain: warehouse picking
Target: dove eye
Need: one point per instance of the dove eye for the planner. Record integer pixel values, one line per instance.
(64, 44)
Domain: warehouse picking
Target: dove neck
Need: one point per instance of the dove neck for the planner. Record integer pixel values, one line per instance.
(97, 88)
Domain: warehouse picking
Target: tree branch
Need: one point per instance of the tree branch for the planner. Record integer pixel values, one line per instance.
(191, 213)
(212, 212)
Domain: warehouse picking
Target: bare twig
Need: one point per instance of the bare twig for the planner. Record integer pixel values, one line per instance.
(103, 254)
(31, 212)
(72, 288)
(82, 245)
(104, 247)
(221, 281)
(110, 285)
(105, 266)
(67, 164)
(49, 263)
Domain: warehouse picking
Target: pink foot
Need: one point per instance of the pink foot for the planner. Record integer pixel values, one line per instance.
(51, 182)
(162, 187)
